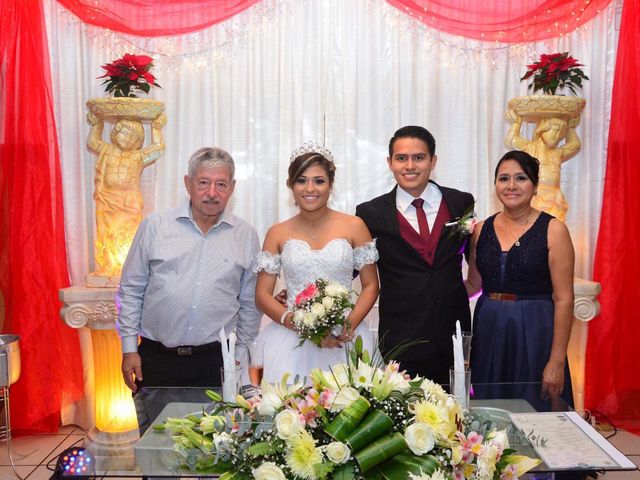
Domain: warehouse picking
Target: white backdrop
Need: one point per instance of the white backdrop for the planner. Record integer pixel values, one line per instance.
(349, 72)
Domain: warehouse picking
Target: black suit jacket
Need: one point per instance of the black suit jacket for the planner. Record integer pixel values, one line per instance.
(418, 300)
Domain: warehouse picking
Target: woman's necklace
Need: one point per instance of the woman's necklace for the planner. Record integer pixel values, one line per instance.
(523, 227)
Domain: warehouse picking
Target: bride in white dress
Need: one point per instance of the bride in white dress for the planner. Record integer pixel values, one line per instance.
(318, 242)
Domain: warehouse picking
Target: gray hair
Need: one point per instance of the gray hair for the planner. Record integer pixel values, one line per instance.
(210, 157)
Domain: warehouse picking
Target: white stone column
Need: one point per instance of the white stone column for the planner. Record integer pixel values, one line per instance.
(115, 433)
(585, 308)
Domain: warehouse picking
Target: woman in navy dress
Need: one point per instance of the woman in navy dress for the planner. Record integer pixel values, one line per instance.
(523, 260)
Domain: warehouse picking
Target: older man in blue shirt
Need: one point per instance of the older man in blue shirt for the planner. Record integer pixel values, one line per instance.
(188, 275)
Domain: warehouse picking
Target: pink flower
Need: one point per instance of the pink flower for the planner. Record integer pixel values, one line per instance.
(471, 445)
(307, 294)
(509, 473)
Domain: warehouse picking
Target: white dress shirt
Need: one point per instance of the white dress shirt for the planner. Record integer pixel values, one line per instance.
(180, 287)
(432, 197)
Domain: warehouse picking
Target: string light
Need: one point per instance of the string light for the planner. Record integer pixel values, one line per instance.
(201, 50)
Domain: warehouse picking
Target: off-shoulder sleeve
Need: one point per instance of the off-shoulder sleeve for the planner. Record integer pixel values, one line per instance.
(365, 255)
(268, 262)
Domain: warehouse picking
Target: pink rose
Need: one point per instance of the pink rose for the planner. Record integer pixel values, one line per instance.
(307, 294)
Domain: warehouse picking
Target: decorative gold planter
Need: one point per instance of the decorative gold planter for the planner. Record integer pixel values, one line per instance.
(126, 107)
(532, 108)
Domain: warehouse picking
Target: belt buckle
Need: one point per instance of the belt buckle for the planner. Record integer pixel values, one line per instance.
(184, 351)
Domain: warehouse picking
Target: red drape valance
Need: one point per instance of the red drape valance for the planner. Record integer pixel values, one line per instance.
(151, 18)
(508, 21)
(500, 20)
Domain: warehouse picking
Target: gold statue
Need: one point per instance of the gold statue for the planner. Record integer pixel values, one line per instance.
(117, 186)
(545, 146)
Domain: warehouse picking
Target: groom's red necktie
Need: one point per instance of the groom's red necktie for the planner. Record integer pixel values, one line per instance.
(422, 217)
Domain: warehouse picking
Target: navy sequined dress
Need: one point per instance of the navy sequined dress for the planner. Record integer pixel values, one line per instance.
(512, 338)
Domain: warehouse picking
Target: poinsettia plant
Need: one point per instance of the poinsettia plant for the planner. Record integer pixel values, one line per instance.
(553, 71)
(127, 74)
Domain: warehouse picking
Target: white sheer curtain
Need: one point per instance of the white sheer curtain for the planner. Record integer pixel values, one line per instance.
(349, 73)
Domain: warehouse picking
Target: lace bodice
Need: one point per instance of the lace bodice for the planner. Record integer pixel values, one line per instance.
(524, 269)
(303, 265)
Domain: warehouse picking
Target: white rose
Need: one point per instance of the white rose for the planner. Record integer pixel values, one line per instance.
(269, 403)
(420, 438)
(338, 452)
(317, 310)
(309, 319)
(344, 398)
(298, 317)
(335, 290)
(327, 302)
(268, 471)
(287, 423)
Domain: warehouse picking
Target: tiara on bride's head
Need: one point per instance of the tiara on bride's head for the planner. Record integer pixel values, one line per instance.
(311, 147)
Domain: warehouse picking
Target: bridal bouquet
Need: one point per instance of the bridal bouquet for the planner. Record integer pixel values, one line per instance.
(321, 309)
(357, 420)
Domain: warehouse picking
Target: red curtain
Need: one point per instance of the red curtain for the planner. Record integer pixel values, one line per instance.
(500, 20)
(152, 18)
(33, 260)
(508, 21)
(613, 378)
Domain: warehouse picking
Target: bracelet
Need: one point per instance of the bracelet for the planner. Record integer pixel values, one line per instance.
(283, 317)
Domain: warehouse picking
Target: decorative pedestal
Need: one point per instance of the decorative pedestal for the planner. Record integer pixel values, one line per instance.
(112, 439)
(585, 308)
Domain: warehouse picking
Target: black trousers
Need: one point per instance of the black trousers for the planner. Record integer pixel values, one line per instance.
(162, 367)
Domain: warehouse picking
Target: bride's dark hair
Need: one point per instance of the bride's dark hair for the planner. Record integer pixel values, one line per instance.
(300, 164)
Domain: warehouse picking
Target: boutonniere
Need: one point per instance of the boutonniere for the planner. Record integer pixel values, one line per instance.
(464, 225)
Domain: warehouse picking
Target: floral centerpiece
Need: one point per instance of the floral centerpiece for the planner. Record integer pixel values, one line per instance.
(321, 308)
(128, 74)
(557, 70)
(362, 419)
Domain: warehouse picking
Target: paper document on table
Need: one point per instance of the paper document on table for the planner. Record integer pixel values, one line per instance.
(563, 440)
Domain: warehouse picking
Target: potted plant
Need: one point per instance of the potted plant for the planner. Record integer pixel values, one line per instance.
(557, 70)
(552, 72)
(124, 78)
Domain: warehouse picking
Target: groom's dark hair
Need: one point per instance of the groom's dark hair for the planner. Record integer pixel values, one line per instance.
(412, 131)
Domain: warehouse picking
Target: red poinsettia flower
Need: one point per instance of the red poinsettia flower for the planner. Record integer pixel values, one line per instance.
(127, 74)
(553, 71)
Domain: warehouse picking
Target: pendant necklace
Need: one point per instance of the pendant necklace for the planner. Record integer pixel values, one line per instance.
(517, 239)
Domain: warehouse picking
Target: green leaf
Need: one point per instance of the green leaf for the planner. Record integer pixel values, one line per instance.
(345, 472)
(382, 449)
(322, 470)
(347, 420)
(401, 465)
(261, 449)
(374, 425)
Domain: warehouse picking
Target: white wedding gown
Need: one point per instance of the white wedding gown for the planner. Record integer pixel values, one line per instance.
(302, 265)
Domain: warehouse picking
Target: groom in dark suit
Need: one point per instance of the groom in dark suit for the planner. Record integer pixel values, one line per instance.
(422, 293)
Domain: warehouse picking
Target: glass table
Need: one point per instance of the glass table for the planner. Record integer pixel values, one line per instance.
(490, 404)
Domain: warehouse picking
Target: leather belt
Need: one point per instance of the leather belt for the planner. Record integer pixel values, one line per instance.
(512, 297)
(182, 350)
